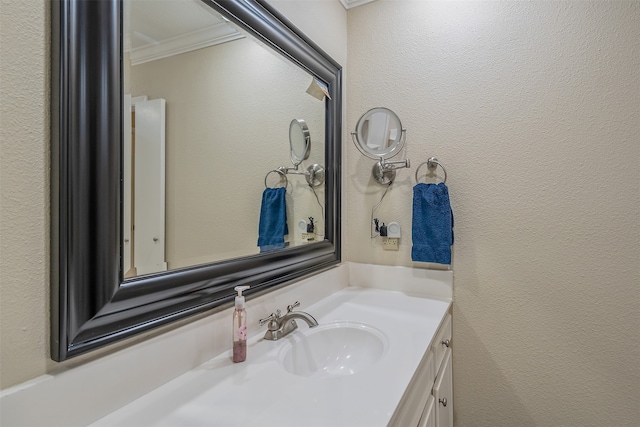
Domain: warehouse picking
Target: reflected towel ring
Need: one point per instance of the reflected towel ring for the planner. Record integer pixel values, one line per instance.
(432, 164)
(282, 175)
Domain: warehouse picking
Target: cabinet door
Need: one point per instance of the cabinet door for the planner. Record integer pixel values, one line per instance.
(443, 393)
(442, 340)
(428, 418)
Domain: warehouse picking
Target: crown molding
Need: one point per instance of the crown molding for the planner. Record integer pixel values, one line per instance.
(210, 36)
(350, 4)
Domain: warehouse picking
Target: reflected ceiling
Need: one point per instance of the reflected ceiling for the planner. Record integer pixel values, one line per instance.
(172, 27)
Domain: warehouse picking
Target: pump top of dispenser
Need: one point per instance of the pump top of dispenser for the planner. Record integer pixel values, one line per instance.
(240, 297)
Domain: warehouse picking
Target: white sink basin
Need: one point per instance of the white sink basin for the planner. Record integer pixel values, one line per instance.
(334, 349)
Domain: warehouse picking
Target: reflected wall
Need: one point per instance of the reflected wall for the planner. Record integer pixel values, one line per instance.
(228, 109)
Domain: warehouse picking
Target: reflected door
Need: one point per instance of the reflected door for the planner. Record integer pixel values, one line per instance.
(147, 204)
(127, 196)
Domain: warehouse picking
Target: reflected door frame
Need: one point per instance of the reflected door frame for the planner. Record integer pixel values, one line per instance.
(144, 186)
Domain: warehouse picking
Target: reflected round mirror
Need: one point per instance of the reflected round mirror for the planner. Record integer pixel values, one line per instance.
(379, 133)
(299, 140)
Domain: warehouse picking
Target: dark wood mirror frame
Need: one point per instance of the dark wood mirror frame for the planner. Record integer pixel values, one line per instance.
(91, 304)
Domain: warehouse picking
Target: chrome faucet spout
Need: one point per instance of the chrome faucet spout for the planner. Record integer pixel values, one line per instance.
(311, 321)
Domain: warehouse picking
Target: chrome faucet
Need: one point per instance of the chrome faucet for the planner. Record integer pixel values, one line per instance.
(280, 326)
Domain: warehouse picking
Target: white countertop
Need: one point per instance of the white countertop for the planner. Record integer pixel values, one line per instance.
(259, 392)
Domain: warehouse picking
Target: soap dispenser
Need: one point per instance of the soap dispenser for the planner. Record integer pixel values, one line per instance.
(239, 327)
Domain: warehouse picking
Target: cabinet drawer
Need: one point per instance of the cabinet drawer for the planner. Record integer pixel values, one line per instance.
(443, 336)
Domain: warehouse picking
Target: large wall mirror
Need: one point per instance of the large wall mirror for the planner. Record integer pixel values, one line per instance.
(168, 121)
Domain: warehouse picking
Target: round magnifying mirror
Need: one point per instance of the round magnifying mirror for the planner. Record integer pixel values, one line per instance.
(379, 133)
(299, 140)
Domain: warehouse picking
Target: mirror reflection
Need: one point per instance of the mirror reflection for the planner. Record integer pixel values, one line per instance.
(379, 133)
(208, 112)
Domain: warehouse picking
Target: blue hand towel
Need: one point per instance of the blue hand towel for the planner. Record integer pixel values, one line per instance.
(273, 219)
(432, 225)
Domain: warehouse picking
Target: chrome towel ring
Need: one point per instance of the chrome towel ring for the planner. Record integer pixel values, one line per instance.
(432, 164)
(282, 175)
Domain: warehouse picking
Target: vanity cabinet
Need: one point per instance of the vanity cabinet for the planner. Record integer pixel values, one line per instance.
(428, 400)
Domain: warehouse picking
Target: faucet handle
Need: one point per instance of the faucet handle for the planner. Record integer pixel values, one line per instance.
(266, 319)
(269, 318)
(292, 306)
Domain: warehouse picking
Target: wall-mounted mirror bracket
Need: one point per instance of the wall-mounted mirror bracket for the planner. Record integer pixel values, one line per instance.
(314, 174)
(384, 172)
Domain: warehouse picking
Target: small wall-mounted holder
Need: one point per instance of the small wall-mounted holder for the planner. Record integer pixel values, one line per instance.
(393, 230)
(307, 229)
(391, 241)
(390, 234)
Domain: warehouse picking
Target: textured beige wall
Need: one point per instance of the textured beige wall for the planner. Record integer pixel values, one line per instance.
(24, 189)
(323, 21)
(24, 174)
(534, 109)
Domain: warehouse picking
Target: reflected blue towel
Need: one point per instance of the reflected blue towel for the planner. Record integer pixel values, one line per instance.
(432, 225)
(273, 219)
